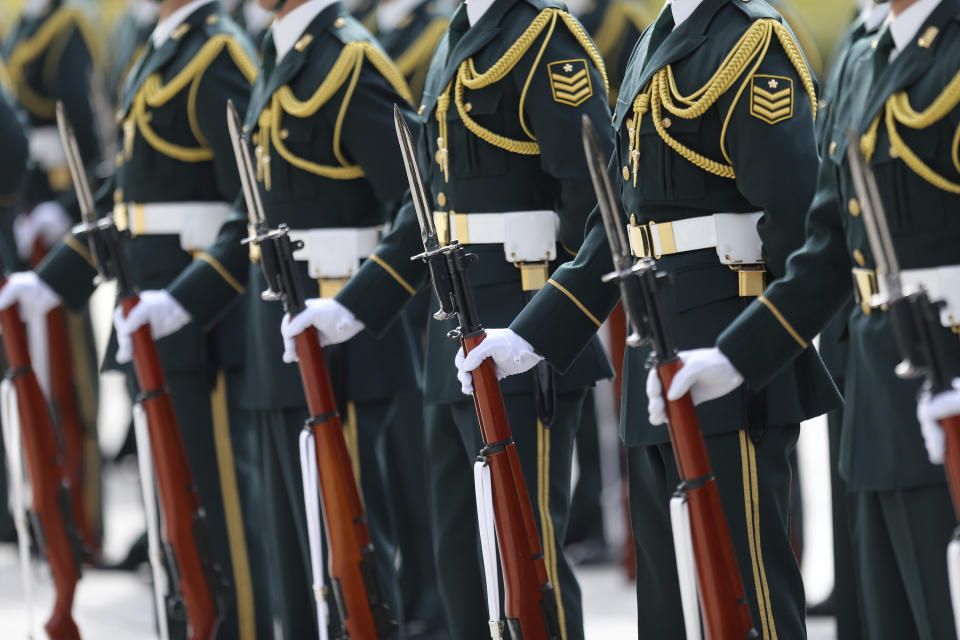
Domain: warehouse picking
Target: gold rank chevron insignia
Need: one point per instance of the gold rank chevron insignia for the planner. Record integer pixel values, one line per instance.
(570, 81)
(771, 98)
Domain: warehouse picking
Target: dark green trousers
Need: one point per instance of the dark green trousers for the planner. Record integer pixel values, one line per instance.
(845, 600)
(901, 540)
(754, 483)
(284, 521)
(453, 441)
(586, 510)
(217, 446)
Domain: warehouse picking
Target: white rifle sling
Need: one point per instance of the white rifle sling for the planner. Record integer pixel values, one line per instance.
(38, 346)
(141, 431)
(10, 416)
(953, 573)
(335, 252)
(686, 564)
(488, 543)
(312, 506)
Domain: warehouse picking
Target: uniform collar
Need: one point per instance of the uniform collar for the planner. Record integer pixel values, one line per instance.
(476, 9)
(391, 15)
(288, 29)
(905, 26)
(682, 9)
(873, 14)
(169, 24)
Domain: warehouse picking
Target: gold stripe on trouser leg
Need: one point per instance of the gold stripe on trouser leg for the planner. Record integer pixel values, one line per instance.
(748, 463)
(236, 537)
(546, 522)
(352, 436)
(83, 372)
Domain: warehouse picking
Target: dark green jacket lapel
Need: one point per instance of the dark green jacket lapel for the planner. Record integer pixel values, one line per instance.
(912, 62)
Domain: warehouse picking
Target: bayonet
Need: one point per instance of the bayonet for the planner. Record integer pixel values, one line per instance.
(248, 179)
(69, 140)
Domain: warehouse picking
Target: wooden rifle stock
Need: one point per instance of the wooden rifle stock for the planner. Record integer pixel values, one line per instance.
(48, 479)
(725, 608)
(951, 460)
(529, 604)
(350, 561)
(182, 514)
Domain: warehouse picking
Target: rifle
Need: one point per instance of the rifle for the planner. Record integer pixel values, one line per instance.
(701, 535)
(192, 572)
(916, 323)
(530, 605)
(55, 532)
(325, 460)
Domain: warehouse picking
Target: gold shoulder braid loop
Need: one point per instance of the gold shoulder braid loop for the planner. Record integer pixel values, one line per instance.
(662, 93)
(348, 66)
(155, 94)
(468, 78)
(898, 110)
(58, 25)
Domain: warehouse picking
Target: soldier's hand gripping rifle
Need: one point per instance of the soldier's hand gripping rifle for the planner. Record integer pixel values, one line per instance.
(52, 515)
(916, 323)
(184, 533)
(696, 510)
(530, 605)
(325, 460)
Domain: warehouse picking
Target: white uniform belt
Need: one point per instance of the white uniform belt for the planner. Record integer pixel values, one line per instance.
(733, 235)
(197, 223)
(335, 252)
(940, 283)
(526, 236)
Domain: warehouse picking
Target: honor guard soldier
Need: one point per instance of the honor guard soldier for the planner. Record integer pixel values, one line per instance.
(898, 94)
(508, 83)
(320, 118)
(834, 346)
(715, 161)
(173, 189)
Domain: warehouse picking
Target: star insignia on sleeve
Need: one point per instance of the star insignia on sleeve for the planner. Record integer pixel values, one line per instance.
(772, 84)
(570, 81)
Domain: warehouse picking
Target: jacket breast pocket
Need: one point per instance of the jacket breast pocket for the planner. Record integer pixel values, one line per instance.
(470, 154)
(912, 202)
(300, 138)
(664, 173)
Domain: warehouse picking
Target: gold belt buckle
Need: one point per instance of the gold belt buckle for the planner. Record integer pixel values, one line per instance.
(120, 216)
(330, 287)
(59, 178)
(441, 220)
(751, 279)
(865, 287)
(533, 275)
(641, 244)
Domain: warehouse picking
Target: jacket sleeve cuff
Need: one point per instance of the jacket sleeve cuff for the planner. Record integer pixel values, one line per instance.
(70, 271)
(761, 323)
(206, 288)
(377, 293)
(564, 309)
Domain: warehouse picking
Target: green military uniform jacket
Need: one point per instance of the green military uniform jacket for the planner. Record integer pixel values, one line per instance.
(719, 154)
(176, 148)
(615, 26)
(919, 183)
(488, 174)
(13, 167)
(322, 121)
(50, 58)
(412, 43)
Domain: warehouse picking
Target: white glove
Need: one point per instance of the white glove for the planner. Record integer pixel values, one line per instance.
(47, 222)
(511, 355)
(158, 308)
(932, 409)
(706, 373)
(333, 321)
(34, 296)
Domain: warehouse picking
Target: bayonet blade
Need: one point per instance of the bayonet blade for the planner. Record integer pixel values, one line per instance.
(606, 200)
(418, 192)
(75, 162)
(248, 179)
(874, 218)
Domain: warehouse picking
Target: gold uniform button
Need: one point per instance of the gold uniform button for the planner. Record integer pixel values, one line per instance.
(894, 153)
(666, 123)
(468, 107)
(853, 207)
(284, 134)
(339, 22)
(833, 147)
(858, 256)
(442, 199)
(626, 173)
(212, 18)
